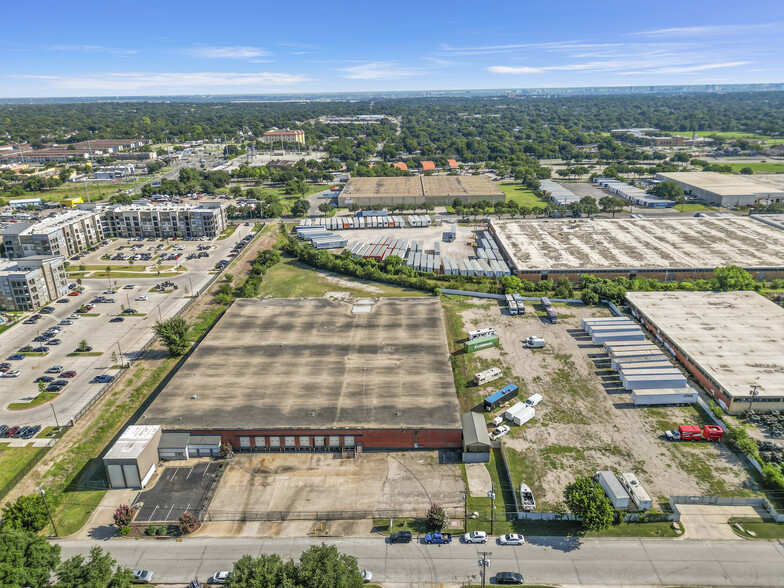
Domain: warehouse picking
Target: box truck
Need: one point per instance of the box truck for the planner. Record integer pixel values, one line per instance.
(695, 433)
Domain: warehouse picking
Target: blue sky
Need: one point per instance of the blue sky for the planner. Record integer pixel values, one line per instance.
(108, 48)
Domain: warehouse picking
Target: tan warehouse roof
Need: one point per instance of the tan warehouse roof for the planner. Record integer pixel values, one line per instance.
(434, 186)
(721, 184)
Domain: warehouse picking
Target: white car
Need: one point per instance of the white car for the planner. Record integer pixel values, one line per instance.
(220, 577)
(511, 539)
(475, 537)
(140, 298)
(500, 432)
(11, 374)
(143, 575)
(367, 576)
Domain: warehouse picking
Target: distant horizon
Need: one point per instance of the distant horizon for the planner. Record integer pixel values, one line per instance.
(342, 96)
(196, 47)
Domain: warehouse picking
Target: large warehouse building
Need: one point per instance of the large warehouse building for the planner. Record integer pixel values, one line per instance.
(724, 189)
(662, 248)
(318, 374)
(730, 342)
(436, 190)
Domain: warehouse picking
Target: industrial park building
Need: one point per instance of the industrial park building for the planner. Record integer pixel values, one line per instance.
(165, 220)
(63, 234)
(730, 342)
(436, 190)
(724, 189)
(31, 282)
(274, 136)
(318, 374)
(661, 248)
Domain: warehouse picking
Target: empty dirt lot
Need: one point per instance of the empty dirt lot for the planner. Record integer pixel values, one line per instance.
(326, 483)
(585, 411)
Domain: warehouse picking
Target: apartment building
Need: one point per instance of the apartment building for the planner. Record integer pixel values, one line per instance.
(297, 136)
(165, 220)
(63, 234)
(32, 282)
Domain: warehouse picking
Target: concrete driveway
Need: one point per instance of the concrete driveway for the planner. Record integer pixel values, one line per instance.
(708, 522)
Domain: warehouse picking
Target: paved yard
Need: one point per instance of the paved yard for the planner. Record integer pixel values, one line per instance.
(178, 490)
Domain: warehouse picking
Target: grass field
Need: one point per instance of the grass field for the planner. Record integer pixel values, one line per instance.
(737, 135)
(520, 194)
(97, 192)
(42, 398)
(761, 529)
(695, 207)
(770, 167)
(291, 279)
(13, 459)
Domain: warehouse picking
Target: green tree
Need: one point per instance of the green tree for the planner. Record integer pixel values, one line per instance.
(83, 345)
(300, 207)
(586, 499)
(733, 277)
(267, 571)
(28, 513)
(667, 190)
(588, 206)
(26, 559)
(175, 334)
(436, 518)
(99, 571)
(323, 566)
(563, 288)
(611, 204)
(746, 171)
(324, 208)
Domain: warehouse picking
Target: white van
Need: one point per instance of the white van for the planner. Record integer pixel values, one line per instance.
(534, 400)
(534, 342)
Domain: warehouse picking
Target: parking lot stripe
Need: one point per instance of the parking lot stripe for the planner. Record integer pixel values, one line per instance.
(188, 507)
(174, 474)
(169, 513)
(189, 473)
(153, 512)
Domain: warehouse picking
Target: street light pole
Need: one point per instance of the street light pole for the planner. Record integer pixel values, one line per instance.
(121, 353)
(49, 512)
(56, 422)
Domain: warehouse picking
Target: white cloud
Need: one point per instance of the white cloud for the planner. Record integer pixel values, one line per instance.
(514, 70)
(381, 70)
(234, 52)
(704, 31)
(699, 67)
(176, 82)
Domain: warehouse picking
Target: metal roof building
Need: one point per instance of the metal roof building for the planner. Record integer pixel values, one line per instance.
(476, 440)
(724, 189)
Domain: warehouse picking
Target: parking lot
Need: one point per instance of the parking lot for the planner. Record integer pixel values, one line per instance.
(586, 421)
(109, 340)
(178, 490)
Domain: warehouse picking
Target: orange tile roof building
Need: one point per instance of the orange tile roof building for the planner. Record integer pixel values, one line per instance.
(400, 165)
(451, 164)
(427, 165)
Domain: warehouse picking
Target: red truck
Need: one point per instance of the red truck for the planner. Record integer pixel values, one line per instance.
(695, 433)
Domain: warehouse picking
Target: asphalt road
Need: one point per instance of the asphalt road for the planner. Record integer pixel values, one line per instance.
(597, 562)
(132, 334)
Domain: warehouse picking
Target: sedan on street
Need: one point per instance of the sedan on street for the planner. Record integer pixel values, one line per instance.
(475, 537)
(511, 539)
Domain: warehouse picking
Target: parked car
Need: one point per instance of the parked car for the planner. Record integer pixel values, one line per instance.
(194, 584)
(74, 293)
(102, 379)
(400, 537)
(117, 319)
(511, 539)
(220, 577)
(475, 537)
(140, 298)
(31, 432)
(44, 379)
(41, 349)
(20, 432)
(55, 369)
(40, 338)
(129, 311)
(53, 342)
(68, 374)
(500, 432)
(508, 578)
(11, 373)
(10, 432)
(87, 349)
(16, 357)
(3, 429)
(63, 301)
(367, 576)
(143, 575)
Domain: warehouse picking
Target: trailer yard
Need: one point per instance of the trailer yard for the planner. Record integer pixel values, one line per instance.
(586, 421)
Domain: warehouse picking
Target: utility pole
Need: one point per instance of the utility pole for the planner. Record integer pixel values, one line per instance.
(484, 563)
(55, 417)
(754, 393)
(49, 512)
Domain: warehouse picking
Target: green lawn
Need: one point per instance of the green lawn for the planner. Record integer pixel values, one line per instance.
(771, 167)
(761, 529)
(13, 459)
(227, 233)
(694, 207)
(518, 193)
(292, 279)
(97, 192)
(42, 398)
(85, 354)
(737, 135)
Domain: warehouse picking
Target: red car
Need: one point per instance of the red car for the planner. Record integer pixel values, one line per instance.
(73, 293)
(68, 374)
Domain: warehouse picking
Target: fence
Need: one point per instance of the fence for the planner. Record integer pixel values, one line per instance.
(756, 501)
(454, 513)
(140, 354)
(500, 449)
(23, 472)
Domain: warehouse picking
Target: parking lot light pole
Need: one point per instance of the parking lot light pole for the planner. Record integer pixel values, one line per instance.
(55, 417)
(49, 512)
(121, 353)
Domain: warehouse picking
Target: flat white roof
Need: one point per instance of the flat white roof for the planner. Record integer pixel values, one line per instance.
(132, 442)
(734, 337)
(721, 184)
(634, 244)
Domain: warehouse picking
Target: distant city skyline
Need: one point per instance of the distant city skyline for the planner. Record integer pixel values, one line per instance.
(169, 48)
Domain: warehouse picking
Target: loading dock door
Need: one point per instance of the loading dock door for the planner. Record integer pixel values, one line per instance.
(304, 442)
(334, 442)
(348, 441)
(318, 442)
(131, 473)
(245, 442)
(290, 442)
(116, 478)
(274, 443)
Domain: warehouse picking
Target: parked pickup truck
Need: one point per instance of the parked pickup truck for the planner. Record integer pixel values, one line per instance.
(695, 433)
(438, 538)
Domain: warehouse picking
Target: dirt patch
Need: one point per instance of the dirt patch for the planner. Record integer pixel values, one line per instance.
(586, 422)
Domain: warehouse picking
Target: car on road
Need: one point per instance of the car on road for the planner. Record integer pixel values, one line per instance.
(475, 537)
(63, 301)
(30, 321)
(53, 342)
(68, 374)
(55, 369)
(508, 578)
(500, 432)
(400, 537)
(11, 373)
(87, 349)
(16, 357)
(140, 298)
(74, 293)
(143, 575)
(220, 577)
(102, 379)
(511, 539)
(110, 291)
(74, 317)
(367, 576)
(44, 379)
(129, 286)
(117, 319)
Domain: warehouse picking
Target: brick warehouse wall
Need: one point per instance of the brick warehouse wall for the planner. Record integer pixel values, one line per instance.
(369, 439)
